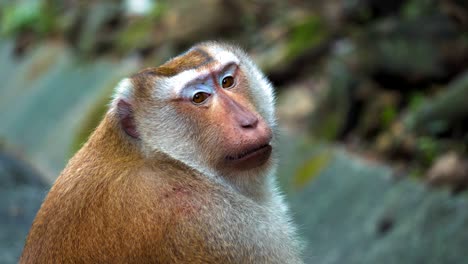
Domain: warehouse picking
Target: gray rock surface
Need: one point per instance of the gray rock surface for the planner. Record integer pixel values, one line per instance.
(46, 96)
(21, 195)
(354, 212)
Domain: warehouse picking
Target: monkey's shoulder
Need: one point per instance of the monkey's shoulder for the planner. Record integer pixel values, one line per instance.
(218, 222)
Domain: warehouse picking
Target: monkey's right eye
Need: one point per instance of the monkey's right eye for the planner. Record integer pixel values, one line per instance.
(227, 82)
(200, 97)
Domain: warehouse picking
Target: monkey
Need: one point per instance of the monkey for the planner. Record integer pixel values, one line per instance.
(181, 169)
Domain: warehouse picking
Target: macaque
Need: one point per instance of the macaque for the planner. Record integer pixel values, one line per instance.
(180, 170)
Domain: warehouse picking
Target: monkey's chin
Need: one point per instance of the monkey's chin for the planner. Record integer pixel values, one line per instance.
(250, 159)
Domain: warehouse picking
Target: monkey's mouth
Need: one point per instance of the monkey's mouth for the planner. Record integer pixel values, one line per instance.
(247, 153)
(250, 158)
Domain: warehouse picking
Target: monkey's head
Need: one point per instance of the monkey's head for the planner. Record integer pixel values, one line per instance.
(210, 108)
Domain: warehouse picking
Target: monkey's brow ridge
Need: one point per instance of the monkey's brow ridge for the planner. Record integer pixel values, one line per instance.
(194, 59)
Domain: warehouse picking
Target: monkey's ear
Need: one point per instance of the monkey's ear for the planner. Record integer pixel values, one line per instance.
(122, 105)
(126, 118)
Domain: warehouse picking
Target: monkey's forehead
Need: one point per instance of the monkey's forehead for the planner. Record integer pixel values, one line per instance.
(196, 62)
(197, 58)
(172, 76)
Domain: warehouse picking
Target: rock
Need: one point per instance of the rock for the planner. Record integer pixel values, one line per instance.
(331, 118)
(296, 104)
(420, 46)
(437, 115)
(350, 211)
(49, 96)
(449, 169)
(22, 191)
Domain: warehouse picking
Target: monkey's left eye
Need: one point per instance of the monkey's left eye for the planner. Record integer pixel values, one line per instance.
(227, 82)
(200, 97)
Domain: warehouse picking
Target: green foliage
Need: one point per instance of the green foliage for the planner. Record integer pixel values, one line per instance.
(36, 16)
(416, 101)
(429, 149)
(136, 34)
(388, 115)
(329, 128)
(305, 35)
(417, 8)
(416, 172)
(139, 33)
(332, 111)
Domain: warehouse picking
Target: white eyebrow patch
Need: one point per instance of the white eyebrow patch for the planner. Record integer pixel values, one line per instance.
(179, 81)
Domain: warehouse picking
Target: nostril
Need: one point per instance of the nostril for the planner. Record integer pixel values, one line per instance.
(249, 122)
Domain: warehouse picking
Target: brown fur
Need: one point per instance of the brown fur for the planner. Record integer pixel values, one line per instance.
(116, 208)
(111, 206)
(191, 60)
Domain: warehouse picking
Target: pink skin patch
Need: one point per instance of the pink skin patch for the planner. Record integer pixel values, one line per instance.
(184, 201)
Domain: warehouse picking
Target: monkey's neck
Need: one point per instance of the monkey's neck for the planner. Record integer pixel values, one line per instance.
(109, 146)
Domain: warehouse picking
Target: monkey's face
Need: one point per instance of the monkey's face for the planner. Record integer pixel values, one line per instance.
(222, 120)
(210, 108)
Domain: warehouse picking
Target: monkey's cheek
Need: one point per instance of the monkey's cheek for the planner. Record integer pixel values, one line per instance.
(251, 160)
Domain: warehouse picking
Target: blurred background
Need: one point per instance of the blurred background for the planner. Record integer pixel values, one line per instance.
(372, 103)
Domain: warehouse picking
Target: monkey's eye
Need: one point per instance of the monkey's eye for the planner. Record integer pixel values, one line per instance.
(200, 97)
(227, 82)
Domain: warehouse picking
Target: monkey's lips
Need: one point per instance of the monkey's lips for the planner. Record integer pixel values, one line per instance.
(250, 158)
